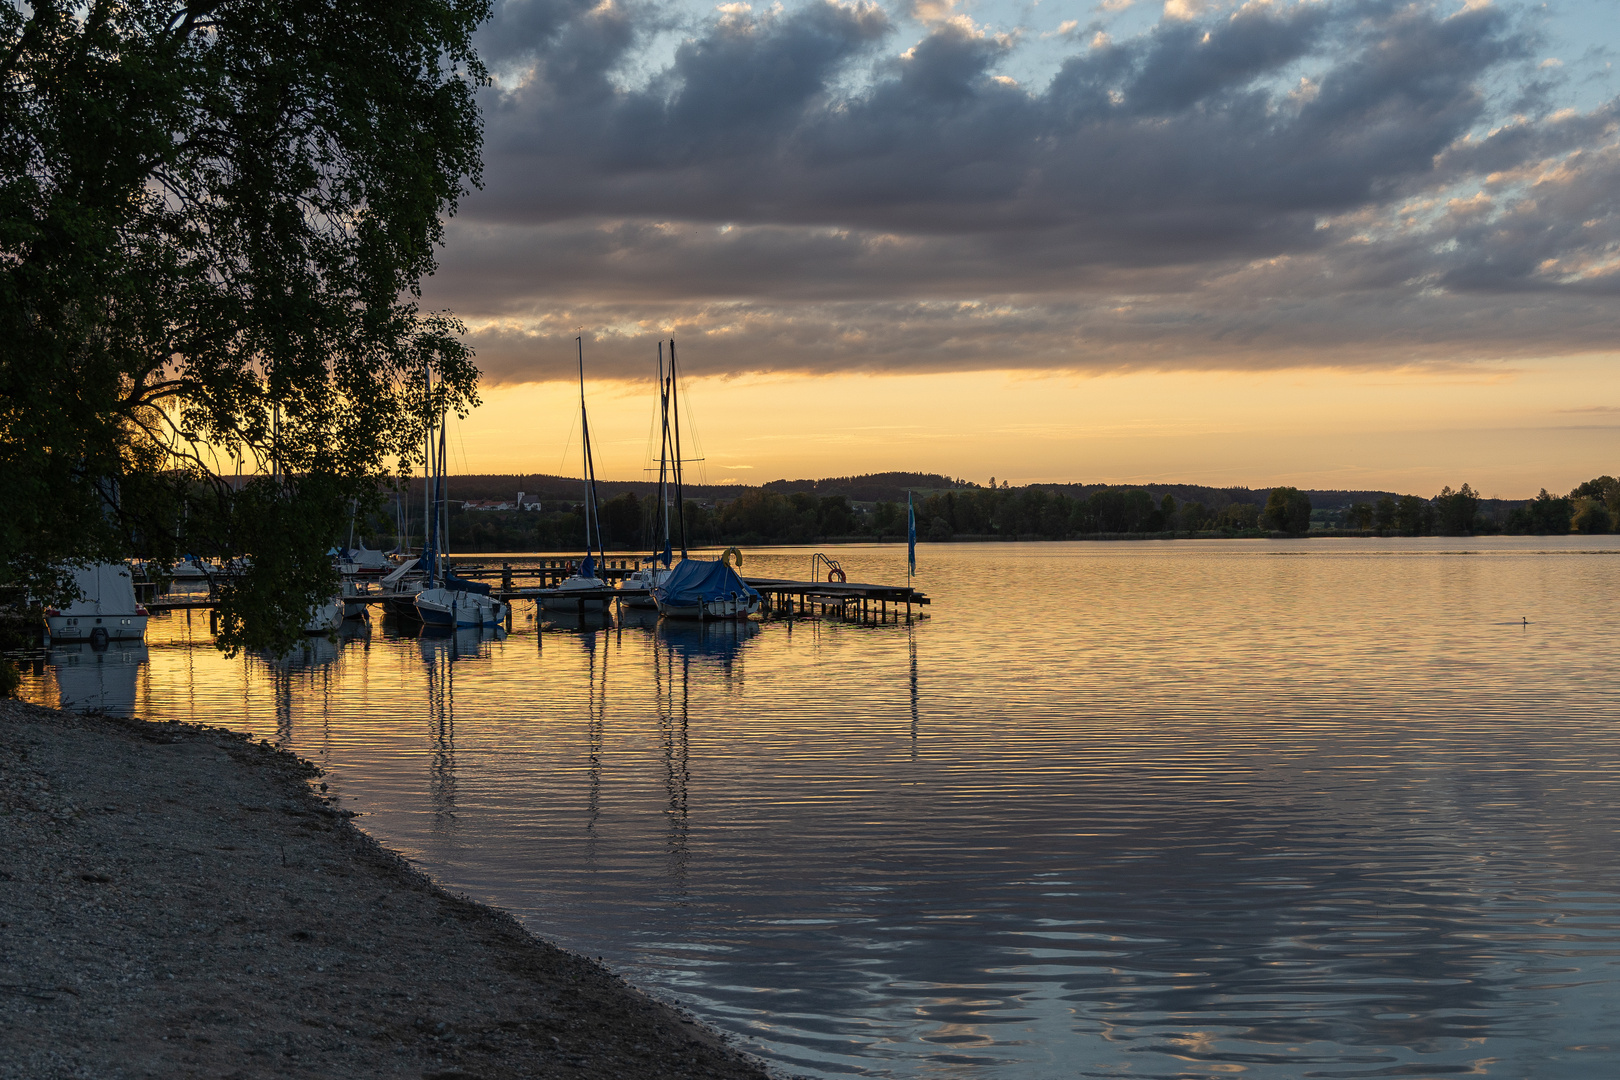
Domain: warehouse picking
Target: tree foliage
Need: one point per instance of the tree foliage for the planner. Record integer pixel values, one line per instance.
(213, 221)
(1455, 510)
(1287, 510)
(1545, 514)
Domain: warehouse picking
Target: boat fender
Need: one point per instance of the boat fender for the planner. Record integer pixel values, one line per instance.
(726, 555)
(836, 574)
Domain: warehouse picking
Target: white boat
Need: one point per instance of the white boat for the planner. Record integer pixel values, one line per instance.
(559, 600)
(400, 588)
(105, 611)
(640, 584)
(353, 606)
(459, 607)
(325, 618)
(190, 569)
(363, 562)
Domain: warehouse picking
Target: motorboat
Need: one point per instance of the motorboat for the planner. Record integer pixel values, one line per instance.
(105, 611)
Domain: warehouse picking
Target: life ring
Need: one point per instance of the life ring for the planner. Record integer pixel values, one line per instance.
(726, 555)
(836, 574)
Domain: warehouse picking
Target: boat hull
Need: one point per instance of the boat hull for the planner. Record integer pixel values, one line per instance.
(721, 608)
(326, 618)
(84, 627)
(453, 607)
(563, 602)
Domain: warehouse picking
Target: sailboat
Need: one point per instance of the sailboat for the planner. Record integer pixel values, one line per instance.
(697, 588)
(445, 599)
(584, 579)
(646, 578)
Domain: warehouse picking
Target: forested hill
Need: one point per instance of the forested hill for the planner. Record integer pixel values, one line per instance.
(542, 487)
(866, 488)
(1217, 497)
(869, 487)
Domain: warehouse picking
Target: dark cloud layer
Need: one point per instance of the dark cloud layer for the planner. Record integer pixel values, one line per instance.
(834, 186)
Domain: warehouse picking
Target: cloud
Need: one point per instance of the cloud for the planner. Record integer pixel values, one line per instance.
(815, 188)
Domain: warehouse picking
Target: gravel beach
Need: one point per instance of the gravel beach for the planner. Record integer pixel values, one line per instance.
(176, 902)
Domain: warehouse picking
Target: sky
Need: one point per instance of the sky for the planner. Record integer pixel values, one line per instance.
(1337, 243)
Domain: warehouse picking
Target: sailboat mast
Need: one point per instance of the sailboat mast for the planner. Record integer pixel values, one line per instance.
(663, 454)
(675, 414)
(442, 487)
(427, 473)
(591, 513)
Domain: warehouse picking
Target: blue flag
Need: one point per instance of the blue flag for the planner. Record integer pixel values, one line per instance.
(911, 536)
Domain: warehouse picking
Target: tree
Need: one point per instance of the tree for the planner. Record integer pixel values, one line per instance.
(1455, 510)
(1413, 516)
(214, 218)
(1287, 510)
(1543, 514)
(1384, 514)
(1591, 516)
(1360, 515)
(1239, 516)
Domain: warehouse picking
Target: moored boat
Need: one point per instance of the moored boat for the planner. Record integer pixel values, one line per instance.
(704, 589)
(105, 611)
(325, 618)
(460, 603)
(585, 581)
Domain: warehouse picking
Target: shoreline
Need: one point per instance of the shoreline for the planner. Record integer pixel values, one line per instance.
(181, 904)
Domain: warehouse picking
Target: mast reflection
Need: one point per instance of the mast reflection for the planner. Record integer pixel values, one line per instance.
(441, 651)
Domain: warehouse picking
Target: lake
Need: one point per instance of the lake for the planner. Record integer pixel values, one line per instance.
(1326, 808)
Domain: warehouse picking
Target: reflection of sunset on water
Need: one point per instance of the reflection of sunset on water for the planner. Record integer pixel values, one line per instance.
(1278, 805)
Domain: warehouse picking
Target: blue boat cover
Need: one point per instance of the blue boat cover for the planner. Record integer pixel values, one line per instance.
(697, 581)
(453, 582)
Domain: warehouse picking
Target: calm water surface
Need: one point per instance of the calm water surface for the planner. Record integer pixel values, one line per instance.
(1325, 809)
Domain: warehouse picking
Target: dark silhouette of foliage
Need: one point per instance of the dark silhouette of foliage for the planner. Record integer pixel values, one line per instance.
(1591, 516)
(1543, 515)
(213, 220)
(1384, 515)
(1455, 511)
(1287, 510)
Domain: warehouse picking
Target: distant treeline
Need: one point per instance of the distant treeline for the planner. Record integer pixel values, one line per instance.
(952, 509)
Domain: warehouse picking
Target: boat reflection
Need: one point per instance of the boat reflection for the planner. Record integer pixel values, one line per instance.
(713, 644)
(461, 643)
(570, 622)
(105, 678)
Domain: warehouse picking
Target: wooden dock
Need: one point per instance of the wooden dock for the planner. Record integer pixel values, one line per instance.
(784, 597)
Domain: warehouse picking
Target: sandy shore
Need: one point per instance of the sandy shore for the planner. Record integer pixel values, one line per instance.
(176, 902)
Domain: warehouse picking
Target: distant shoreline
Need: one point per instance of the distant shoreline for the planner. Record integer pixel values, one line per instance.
(899, 541)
